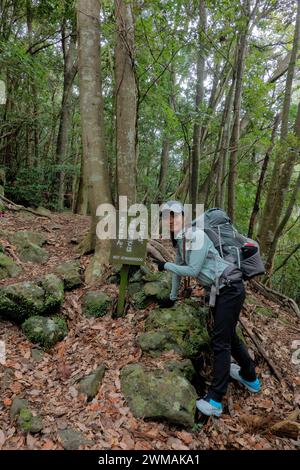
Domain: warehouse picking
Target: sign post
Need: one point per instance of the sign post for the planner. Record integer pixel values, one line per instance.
(127, 252)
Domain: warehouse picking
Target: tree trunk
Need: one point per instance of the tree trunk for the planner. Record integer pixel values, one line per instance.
(126, 102)
(198, 101)
(70, 70)
(92, 124)
(235, 135)
(285, 158)
(261, 181)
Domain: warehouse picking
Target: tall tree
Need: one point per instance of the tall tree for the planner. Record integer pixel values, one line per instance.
(126, 101)
(198, 102)
(92, 124)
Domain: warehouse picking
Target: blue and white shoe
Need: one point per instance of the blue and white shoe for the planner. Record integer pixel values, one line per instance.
(253, 387)
(209, 407)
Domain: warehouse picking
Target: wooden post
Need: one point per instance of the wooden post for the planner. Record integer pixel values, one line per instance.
(122, 290)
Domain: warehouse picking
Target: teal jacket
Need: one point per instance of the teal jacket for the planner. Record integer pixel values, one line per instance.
(202, 260)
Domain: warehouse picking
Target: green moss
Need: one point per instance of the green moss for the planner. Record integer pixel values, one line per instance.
(45, 331)
(96, 304)
(8, 267)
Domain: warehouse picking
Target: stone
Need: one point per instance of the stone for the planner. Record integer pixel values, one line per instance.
(186, 323)
(158, 394)
(184, 368)
(24, 299)
(17, 405)
(28, 423)
(43, 211)
(8, 267)
(45, 331)
(96, 304)
(71, 439)
(158, 286)
(155, 342)
(69, 272)
(90, 385)
(29, 246)
(37, 354)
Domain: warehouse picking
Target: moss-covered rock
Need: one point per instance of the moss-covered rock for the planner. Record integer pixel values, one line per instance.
(45, 331)
(8, 267)
(71, 439)
(96, 304)
(158, 394)
(69, 272)
(43, 211)
(24, 299)
(155, 342)
(158, 286)
(90, 385)
(29, 246)
(184, 367)
(28, 423)
(53, 287)
(186, 323)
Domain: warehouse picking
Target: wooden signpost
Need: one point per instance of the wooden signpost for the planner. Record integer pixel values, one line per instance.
(126, 252)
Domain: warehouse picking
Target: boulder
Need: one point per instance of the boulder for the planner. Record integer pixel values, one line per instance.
(69, 272)
(24, 299)
(96, 304)
(45, 331)
(184, 367)
(158, 286)
(26, 421)
(8, 267)
(186, 323)
(158, 394)
(89, 385)
(71, 439)
(43, 211)
(155, 342)
(29, 246)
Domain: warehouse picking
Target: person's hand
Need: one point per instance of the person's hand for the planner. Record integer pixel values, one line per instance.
(168, 303)
(160, 265)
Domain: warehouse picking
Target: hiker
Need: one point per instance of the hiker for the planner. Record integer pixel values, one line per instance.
(204, 263)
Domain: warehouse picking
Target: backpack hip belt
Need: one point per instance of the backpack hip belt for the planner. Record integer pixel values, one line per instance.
(229, 276)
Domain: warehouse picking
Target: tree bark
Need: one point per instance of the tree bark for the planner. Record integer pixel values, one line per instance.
(92, 125)
(198, 101)
(126, 102)
(235, 135)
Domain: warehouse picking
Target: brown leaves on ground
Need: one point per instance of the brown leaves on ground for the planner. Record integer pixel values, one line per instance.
(106, 422)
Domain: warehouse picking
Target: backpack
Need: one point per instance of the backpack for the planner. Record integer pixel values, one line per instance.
(234, 247)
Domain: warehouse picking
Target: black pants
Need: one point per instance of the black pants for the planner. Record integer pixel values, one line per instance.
(226, 343)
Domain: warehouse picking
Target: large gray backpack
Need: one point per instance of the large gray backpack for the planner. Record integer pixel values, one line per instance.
(230, 244)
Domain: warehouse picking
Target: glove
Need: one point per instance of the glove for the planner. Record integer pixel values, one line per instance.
(160, 265)
(167, 303)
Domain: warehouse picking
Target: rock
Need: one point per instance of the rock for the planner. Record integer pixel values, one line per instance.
(8, 267)
(17, 405)
(184, 368)
(158, 394)
(155, 342)
(29, 245)
(96, 304)
(45, 331)
(90, 385)
(69, 272)
(140, 300)
(24, 299)
(71, 439)
(37, 354)
(54, 292)
(158, 286)
(25, 236)
(27, 422)
(43, 211)
(186, 324)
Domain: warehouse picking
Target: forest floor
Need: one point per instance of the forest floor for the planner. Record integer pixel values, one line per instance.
(106, 422)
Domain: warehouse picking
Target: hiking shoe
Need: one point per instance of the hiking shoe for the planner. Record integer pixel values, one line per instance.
(253, 387)
(209, 407)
